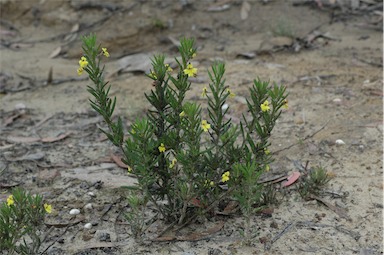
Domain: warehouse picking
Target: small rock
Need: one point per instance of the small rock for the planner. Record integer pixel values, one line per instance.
(91, 194)
(339, 142)
(104, 237)
(88, 225)
(84, 185)
(337, 101)
(20, 106)
(212, 251)
(74, 212)
(87, 236)
(224, 107)
(88, 206)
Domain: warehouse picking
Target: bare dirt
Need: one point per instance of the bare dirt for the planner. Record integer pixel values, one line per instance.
(327, 53)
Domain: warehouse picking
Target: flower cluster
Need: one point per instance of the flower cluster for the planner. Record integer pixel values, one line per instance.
(11, 202)
(181, 151)
(225, 177)
(265, 106)
(161, 147)
(205, 125)
(190, 70)
(83, 62)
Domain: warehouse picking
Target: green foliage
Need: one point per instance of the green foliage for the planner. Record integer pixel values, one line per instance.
(180, 158)
(283, 28)
(314, 182)
(21, 217)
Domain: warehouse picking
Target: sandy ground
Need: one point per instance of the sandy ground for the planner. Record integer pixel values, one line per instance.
(328, 56)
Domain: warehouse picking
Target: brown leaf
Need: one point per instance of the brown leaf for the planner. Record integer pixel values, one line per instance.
(77, 220)
(118, 161)
(201, 235)
(231, 208)
(291, 179)
(9, 120)
(220, 6)
(245, 8)
(21, 139)
(194, 236)
(55, 139)
(338, 210)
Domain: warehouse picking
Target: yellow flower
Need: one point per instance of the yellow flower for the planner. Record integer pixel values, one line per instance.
(152, 75)
(129, 169)
(173, 163)
(182, 114)
(10, 200)
(80, 71)
(265, 106)
(231, 94)
(133, 131)
(169, 68)
(161, 147)
(105, 52)
(267, 168)
(205, 126)
(48, 208)
(190, 71)
(83, 62)
(266, 151)
(225, 177)
(204, 93)
(285, 106)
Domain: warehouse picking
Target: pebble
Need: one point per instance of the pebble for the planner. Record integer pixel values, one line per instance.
(339, 142)
(20, 106)
(224, 107)
(104, 237)
(337, 101)
(74, 212)
(91, 194)
(88, 225)
(88, 206)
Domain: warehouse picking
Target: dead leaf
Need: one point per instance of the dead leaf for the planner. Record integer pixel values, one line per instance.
(5, 32)
(291, 179)
(21, 139)
(201, 235)
(220, 6)
(9, 120)
(118, 161)
(245, 8)
(231, 208)
(55, 139)
(246, 55)
(32, 156)
(100, 172)
(55, 52)
(79, 218)
(18, 46)
(195, 236)
(338, 210)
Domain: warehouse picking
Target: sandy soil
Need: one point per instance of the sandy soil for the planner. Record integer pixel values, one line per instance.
(328, 56)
